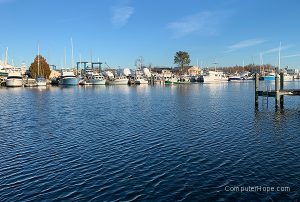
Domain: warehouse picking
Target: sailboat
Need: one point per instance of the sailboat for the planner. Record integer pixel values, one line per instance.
(41, 81)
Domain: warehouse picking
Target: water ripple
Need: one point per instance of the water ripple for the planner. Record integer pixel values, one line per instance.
(143, 143)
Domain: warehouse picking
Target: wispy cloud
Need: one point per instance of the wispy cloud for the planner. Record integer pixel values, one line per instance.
(246, 43)
(67, 20)
(277, 49)
(201, 21)
(290, 56)
(121, 14)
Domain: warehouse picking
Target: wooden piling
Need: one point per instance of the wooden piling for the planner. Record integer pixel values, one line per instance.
(133, 79)
(276, 92)
(281, 88)
(256, 88)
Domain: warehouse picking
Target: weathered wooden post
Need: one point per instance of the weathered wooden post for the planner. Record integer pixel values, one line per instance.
(163, 79)
(256, 88)
(133, 79)
(276, 92)
(281, 88)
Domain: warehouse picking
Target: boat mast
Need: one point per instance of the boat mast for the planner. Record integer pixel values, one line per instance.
(72, 53)
(140, 62)
(80, 62)
(92, 61)
(260, 62)
(6, 57)
(38, 58)
(65, 58)
(279, 57)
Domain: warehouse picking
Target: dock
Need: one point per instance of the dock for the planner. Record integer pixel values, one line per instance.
(278, 93)
(272, 93)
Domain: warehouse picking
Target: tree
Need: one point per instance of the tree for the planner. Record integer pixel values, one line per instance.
(182, 58)
(44, 69)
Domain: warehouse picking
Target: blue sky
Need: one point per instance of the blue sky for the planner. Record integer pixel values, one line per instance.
(120, 31)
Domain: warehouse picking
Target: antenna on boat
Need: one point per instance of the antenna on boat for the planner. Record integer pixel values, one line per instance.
(215, 63)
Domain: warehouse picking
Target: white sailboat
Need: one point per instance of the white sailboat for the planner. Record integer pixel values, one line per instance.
(41, 81)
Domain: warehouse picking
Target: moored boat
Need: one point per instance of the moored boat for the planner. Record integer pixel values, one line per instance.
(96, 79)
(41, 81)
(14, 79)
(68, 77)
(30, 83)
(213, 76)
(118, 81)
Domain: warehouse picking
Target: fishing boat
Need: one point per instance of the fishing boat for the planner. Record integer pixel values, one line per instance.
(95, 79)
(118, 81)
(183, 81)
(140, 80)
(14, 79)
(68, 77)
(213, 76)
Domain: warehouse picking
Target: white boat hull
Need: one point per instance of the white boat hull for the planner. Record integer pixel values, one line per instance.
(94, 82)
(141, 81)
(118, 82)
(207, 79)
(14, 82)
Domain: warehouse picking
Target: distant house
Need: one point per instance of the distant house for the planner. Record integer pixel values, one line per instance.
(164, 70)
(54, 74)
(189, 70)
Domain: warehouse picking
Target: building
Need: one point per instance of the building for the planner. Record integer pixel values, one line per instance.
(187, 70)
(54, 74)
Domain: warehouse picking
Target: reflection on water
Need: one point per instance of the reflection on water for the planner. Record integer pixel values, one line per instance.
(147, 143)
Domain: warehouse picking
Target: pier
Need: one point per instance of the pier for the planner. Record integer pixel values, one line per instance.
(278, 93)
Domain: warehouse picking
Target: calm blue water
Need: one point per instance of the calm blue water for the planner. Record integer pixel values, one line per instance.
(148, 143)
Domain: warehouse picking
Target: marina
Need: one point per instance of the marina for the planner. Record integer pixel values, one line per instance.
(184, 140)
(153, 101)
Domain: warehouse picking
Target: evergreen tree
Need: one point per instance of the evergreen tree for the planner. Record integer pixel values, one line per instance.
(182, 58)
(44, 69)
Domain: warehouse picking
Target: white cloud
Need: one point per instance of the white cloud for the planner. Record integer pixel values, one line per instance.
(277, 49)
(246, 43)
(121, 14)
(190, 24)
(289, 56)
